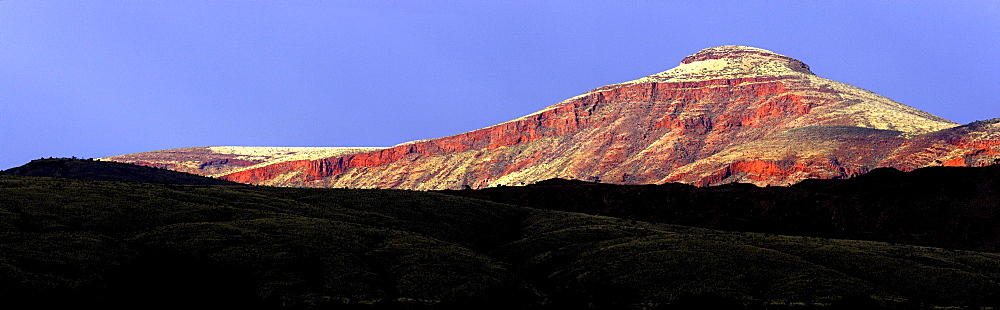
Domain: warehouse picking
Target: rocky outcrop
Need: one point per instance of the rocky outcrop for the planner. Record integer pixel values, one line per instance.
(725, 114)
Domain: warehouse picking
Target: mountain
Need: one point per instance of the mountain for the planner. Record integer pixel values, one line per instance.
(108, 171)
(725, 114)
(123, 245)
(946, 207)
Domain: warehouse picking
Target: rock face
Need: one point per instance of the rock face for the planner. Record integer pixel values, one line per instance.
(725, 114)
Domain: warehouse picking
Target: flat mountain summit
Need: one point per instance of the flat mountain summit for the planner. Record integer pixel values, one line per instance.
(724, 114)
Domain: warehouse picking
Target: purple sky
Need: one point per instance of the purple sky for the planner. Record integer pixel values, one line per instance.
(101, 78)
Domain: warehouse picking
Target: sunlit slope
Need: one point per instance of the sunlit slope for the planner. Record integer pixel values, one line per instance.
(220, 160)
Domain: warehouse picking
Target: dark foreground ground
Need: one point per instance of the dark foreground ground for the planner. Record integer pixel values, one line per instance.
(123, 244)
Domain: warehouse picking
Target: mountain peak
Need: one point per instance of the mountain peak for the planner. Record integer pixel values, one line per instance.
(732, 61)
(738, 52)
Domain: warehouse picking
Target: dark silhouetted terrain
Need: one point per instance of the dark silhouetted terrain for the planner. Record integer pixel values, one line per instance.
(88, 169)
(950, 207)
(71, 242)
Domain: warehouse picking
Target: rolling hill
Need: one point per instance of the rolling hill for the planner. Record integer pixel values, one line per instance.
(89, 169)
(948, 207)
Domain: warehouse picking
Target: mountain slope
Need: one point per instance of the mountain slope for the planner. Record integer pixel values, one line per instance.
(66, 242)
(716, 118)
(974, 144)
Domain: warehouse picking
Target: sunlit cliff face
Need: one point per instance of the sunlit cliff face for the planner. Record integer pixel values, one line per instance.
(725, 114)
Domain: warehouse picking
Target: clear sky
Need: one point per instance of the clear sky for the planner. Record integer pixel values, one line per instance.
(102, 78)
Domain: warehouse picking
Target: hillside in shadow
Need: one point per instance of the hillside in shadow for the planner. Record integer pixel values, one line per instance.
(90, 169)
(949, 207)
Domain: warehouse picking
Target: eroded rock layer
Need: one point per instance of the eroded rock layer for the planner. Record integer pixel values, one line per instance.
(725, 114)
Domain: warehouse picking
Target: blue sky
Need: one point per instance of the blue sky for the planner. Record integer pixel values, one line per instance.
(101, 78)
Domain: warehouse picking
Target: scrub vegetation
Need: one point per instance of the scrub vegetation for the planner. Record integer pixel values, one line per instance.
(117, 244)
